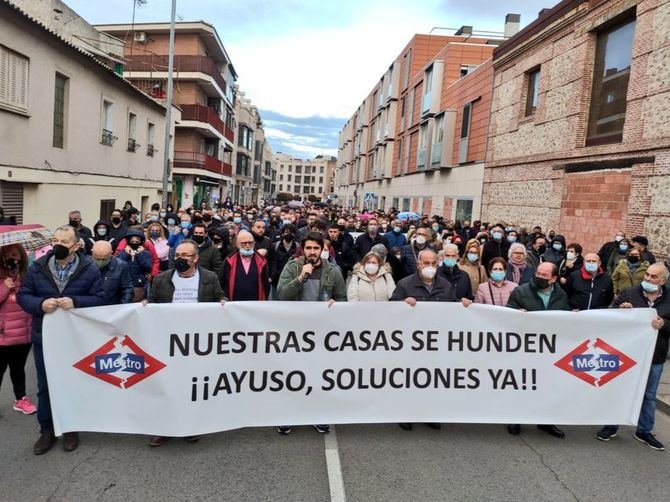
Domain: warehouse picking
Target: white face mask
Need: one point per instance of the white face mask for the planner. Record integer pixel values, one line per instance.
(371, 268)
(420, 240)
(571, 255)
(428, 272)
(325, 255)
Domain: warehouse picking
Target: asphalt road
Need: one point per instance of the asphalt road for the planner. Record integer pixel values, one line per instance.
(376, 462)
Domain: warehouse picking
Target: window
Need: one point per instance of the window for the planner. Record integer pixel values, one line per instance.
(296, 188)
(423, 133)
(107, 123)
(132, 132)
(288, 177)
(14, 69)
(465, 123)
(321, 170)
(60, 96)
(106, 208)
(298, 179)
(410, 110)
(321, 180)
(298, 169)
(281, 177)
(438, 134)
(466, 69)
(151, 139)
(406, 68)
(533, 91)
(463, 209)
(610, 84)
(381, 94)
(427, 85)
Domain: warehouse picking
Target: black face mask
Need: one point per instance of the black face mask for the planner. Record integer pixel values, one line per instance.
(633, 258)
(134, 245)
(73, 223)
(199, 239)
(11, 264)
(541, 283)
(61, 252)
(196, 219)
(207, 217)
(181, 264)
(542, 249)
(116, 220)
(288, 237)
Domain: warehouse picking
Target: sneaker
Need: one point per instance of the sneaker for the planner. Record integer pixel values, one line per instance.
(322, 429)
(25, 406)
(650, 440)
(606, 433)
(285, 430)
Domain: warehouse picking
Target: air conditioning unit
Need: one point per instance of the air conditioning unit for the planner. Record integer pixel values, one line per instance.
(140, 37)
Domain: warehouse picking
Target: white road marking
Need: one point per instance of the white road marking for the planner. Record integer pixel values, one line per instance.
(335, 479)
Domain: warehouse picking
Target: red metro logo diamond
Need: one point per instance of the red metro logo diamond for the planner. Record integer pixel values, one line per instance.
(596, 363)
(120, 362)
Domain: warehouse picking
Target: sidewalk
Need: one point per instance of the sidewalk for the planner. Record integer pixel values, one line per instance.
(663, 394)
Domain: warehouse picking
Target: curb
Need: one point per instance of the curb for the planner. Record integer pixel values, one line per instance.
(663, 406)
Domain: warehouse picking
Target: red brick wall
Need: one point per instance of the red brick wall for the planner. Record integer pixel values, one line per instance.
(594, 206)
(447, 207)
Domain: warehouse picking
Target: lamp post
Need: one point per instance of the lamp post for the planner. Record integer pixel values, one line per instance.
(168, 114)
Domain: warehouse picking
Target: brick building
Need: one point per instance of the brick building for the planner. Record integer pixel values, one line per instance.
(579, 136)
(418, 141)
(304, 178)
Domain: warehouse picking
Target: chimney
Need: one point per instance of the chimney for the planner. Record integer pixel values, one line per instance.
(512, 22)
(464, 30)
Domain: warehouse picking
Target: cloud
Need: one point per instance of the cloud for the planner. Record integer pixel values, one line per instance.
(296, 149)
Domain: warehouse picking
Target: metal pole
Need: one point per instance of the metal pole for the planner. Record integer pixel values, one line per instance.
(168, 114)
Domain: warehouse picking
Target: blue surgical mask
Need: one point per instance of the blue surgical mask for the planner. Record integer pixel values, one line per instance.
(557, 246)
(591, 268)
(498, 275)
(185, 224)
(171, 222)
(473, 257)
(511, 238)
(497, 236)
(449, 262)
(247, 252)
(623, 247)
(397, 230)
(649, 287)
(237, 219)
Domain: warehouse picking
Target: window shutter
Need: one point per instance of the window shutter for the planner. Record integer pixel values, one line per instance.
(13, 79)
(4, 74)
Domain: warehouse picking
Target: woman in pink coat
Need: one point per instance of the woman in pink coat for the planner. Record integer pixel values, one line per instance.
(14, 324)
(498, 289)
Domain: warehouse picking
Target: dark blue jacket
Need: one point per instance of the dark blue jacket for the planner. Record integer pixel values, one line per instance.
(395, 240)
(138, 265)
(117, 282)
(459, 280)
(85, 288)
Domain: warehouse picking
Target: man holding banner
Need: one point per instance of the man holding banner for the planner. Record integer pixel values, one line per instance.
(187, 282)
(652, 293)
(542, 293)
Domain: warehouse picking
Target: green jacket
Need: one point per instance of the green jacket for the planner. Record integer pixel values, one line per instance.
(623, 278)
(289, 287)
(526, 297)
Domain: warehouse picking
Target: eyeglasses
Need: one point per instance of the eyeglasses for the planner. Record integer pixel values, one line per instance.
(246, 244)
(183, 255)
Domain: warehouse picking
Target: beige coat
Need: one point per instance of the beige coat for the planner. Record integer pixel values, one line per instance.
(362, 289)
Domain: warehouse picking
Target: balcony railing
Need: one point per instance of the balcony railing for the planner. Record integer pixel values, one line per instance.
(159, 63)
(202, 161)
(205, 114)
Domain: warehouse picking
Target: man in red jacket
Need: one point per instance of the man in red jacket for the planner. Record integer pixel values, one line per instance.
(245, 275)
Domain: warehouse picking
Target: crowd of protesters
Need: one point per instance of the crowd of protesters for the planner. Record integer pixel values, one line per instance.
(329, 253)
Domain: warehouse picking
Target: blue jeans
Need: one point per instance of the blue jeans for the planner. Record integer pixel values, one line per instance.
(645, 423)
(43, 404)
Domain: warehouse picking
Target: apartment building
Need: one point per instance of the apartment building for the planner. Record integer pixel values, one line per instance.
(580, 123)
(204, 79)
(75, 135)
(306, 179)
(418, 140)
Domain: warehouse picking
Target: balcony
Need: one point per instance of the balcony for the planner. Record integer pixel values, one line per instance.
(202, 161)
(205, 114)
(158, 63)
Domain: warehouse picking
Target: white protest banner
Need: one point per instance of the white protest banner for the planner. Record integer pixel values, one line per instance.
(179, 370)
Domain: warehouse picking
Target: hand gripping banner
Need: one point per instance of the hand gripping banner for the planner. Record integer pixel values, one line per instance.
(180, 370)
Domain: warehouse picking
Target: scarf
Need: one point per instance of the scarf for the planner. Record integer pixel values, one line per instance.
(517, 270)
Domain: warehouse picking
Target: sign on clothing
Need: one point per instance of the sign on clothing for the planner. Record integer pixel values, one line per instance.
(179, 370)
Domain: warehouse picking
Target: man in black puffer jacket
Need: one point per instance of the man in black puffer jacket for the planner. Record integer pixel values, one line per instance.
(589, 287)
(652, 293)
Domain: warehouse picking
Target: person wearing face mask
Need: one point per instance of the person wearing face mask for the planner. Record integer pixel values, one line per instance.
(556, 250)
(343, 253)
(185, 229)
(186, 282)
(15, 333)
(641, 243)
(651, 293)
(262, 243)
(459, 280)
(100, 233)
(117, 229)
(281, 252)
(629, 272)
(619, 253)
(371, 281)
(573, 261)
(496, 247)
(590, 287)
(422, 239)
(512, 236)
(139, 262)
(424, 286)
(550, 236)
(63, 278)
(536, 250)
(497, 290)
(209, 257)
(541, 294)
(115, 274)
(471, 264)
(245, 274)
(610, 247)
(156, 235)
(372, 236)
(518, 270)
(395, 236)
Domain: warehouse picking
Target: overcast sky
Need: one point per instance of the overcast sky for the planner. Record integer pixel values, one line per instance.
(314, 59)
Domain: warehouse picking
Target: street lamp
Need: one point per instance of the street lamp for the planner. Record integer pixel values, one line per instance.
(168, 114)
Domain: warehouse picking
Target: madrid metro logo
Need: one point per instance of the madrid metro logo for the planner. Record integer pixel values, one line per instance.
(596, 363)
(120, 362)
